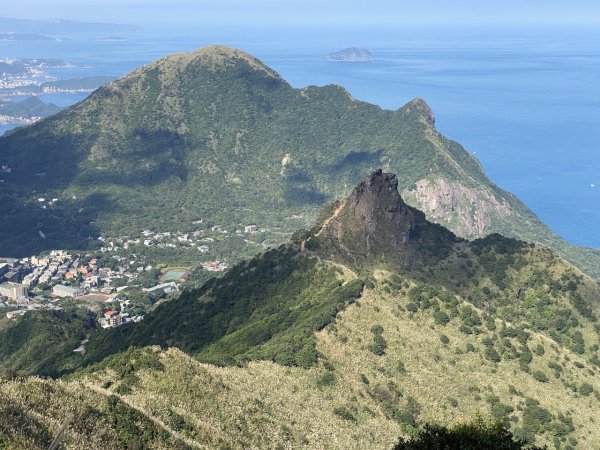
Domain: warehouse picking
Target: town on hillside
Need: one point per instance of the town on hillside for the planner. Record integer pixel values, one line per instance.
(117, 285)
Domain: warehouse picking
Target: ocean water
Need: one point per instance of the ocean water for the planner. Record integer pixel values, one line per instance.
(524, 102)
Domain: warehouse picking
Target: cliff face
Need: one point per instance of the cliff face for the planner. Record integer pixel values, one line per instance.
(469, 212)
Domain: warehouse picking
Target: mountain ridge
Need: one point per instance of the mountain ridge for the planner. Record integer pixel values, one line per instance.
(351, 348)
(178, 138)
(369, 231)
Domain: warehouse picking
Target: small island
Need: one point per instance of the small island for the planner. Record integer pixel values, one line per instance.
(351, 54)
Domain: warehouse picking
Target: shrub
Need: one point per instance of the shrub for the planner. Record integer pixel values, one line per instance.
(465, 329)
(444, 339)
(344, 413)
(492, 354)
(585, 389)
(499, 410)
(540, 376)
(400, 367)
(412, 307)
(327, 378)
(475, 435)
(470, 317)
(440, 317)
(577, 343)
(539, 350)
(377, 329)
(378, 345)
(535, 418)
(525, 356)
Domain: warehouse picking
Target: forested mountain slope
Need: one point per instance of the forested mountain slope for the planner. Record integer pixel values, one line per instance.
(360, 330)
(216, 134)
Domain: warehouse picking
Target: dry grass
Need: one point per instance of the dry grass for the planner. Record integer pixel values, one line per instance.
(265, 405)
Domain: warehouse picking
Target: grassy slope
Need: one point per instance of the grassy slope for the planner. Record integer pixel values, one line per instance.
(32, 411)
(354, 398)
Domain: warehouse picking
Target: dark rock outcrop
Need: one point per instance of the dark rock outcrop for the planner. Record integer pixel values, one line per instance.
(375, 224)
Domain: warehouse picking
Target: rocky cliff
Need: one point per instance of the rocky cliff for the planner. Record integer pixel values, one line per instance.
(468, 211)
(374, 223)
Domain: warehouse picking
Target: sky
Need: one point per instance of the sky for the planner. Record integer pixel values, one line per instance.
(317, 12)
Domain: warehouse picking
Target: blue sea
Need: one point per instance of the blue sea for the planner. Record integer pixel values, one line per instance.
(525, 102)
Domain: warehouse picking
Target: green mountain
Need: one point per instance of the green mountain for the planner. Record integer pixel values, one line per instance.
(30, 107)
(360, 330)
(216, 134)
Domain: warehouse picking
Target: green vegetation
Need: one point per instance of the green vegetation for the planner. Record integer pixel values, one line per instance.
(475, 435)
(379, 344)
(30, 107)
(95, 419)
(373, 340)
(42, 342)
(176, 140)
(266, 308)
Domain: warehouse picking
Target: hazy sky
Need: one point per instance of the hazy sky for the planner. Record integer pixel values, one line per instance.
(318, 12)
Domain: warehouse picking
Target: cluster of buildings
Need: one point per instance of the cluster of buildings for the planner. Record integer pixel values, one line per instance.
(4, 119)
(200, 239)
(172, 240)
(214, 266)
(112, 319)
(68, 275)
(63, 90)
(23, 73)
(65, 275)
(15, 294)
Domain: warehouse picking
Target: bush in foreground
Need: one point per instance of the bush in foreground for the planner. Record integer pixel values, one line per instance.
(475, 435)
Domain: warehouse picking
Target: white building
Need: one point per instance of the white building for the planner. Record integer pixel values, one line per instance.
(13, 291)
(253, 229)
(166, 287)
(61, 290)
(13, 314)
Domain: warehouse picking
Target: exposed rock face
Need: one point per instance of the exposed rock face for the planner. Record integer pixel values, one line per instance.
(424, 109)
(374, 223)
(466, 210)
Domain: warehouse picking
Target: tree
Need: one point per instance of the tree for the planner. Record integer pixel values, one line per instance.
(475, 435)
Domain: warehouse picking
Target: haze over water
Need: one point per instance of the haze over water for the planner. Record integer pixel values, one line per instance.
(526, 103)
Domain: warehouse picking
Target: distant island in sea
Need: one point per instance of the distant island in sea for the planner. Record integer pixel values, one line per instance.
(352, 54)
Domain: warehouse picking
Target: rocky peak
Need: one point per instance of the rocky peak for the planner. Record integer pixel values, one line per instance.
(375, 202)
(420, 106)
(374, 224)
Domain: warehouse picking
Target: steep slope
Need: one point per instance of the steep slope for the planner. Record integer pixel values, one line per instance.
(180, 138)
(358, 331)
(374, 225)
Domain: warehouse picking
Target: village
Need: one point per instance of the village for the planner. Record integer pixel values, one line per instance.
(114, 282)
(21, 74)
(45, 282)
(5, 119)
